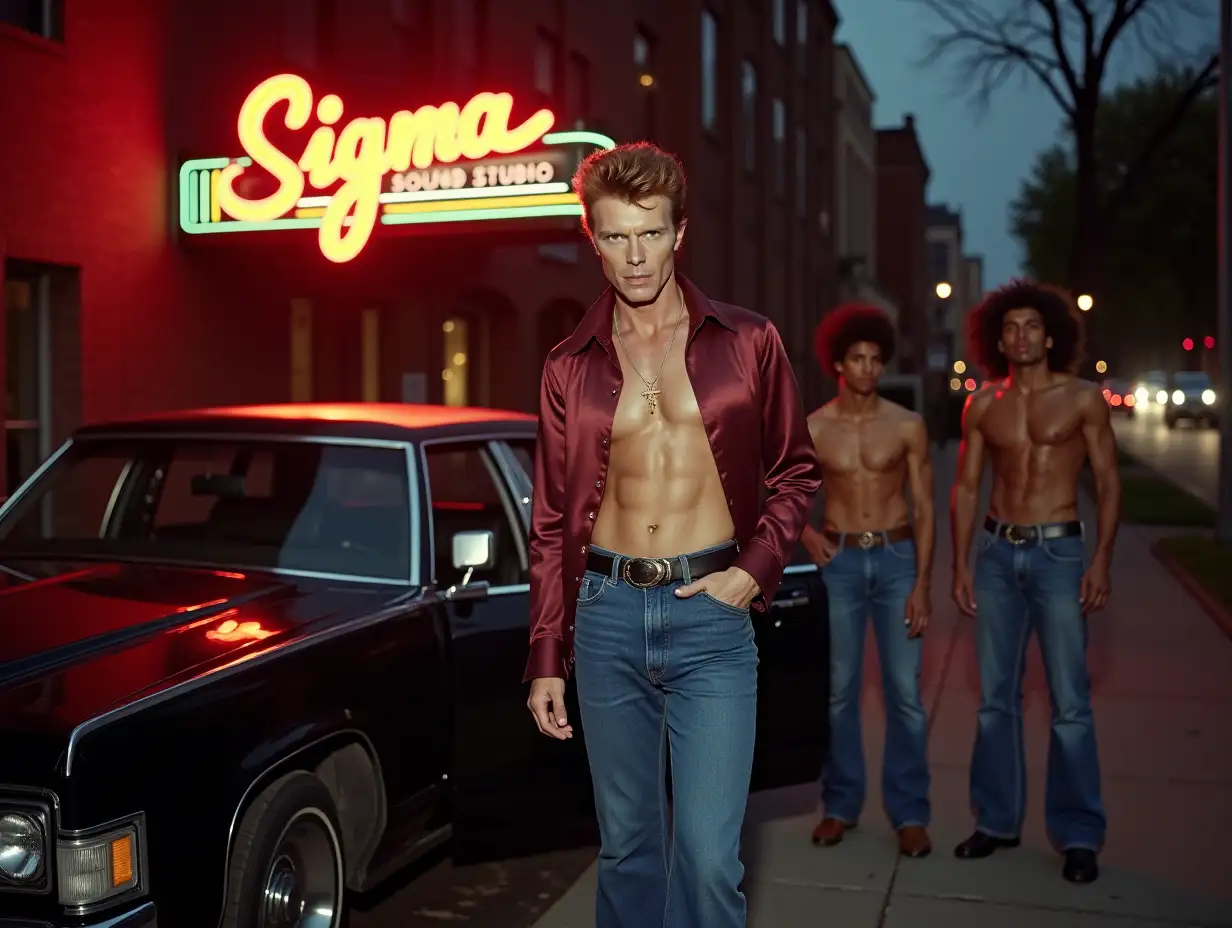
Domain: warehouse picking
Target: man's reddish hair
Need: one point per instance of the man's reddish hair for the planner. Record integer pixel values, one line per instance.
(634, 172)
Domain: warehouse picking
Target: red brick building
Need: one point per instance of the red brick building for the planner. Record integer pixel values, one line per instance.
(112, 308)
(902, 251)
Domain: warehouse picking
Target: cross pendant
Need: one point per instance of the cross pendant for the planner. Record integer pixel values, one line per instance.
(652, 398)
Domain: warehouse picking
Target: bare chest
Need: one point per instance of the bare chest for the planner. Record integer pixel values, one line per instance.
(657, 391)
(1021, 421)
(850, 449)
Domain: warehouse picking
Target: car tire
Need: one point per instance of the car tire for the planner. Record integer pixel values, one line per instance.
(287, 857)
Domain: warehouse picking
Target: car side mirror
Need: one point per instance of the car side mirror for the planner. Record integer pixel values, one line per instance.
(474, 551)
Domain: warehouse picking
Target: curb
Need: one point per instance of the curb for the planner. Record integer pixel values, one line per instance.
(1219, 615)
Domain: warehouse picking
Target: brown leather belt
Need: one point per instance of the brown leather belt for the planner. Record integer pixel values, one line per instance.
(868, 540)
(646, 572)
(1017, 534)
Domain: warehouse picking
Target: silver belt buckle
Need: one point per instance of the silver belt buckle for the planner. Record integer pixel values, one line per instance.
(661, 566)
(866, 540)
(1012, 536)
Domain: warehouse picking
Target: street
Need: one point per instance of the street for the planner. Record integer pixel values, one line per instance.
(1186, 455)
(501, 894)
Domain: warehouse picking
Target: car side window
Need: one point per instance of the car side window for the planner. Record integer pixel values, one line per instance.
(469, 493)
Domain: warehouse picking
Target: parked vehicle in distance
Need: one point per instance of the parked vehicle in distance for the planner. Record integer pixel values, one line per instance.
(256, 659)
(1193, 397)
(1120, 396)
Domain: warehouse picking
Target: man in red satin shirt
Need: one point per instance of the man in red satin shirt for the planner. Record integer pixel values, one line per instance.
(661, 418)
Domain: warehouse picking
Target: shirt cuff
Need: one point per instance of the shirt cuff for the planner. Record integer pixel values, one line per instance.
(546, 659)
(760, 563)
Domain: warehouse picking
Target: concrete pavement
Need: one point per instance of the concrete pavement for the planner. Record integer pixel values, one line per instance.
(1163, 705)
(1186, 455)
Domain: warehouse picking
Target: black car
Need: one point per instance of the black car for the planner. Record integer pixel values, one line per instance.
(253, 660)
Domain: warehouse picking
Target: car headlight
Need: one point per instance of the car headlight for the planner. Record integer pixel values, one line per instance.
(1178, 397)
(1161, 397)
(23, 849)
(96, 868)
(1141, 395)
(1208, 397)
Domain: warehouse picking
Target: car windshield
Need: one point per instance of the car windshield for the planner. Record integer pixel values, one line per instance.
(1192, 380)
(298, 505)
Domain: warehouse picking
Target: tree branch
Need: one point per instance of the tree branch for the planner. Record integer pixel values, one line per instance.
(1140, 168)
(1053, 12)
(988, 49)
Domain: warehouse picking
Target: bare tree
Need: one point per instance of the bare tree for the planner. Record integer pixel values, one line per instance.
(1067, 46)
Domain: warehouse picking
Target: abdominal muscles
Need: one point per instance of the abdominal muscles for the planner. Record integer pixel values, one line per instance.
(663, 495)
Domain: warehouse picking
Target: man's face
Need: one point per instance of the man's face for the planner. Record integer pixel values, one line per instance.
(637, 245)
(1023, 339)
(861, 368)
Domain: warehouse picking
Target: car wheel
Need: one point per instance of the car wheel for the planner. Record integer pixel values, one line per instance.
(286, 867)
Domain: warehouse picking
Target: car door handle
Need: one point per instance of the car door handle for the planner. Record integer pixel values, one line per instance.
(470, 591)
(796, 598)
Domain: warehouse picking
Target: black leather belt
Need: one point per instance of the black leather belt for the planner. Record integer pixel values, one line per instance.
(646, 572)
(867, 540)
(1017, 534)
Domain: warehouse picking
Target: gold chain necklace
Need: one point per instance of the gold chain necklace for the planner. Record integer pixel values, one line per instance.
(651, 393)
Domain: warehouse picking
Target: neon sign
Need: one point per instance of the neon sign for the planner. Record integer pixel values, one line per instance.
(436, 164)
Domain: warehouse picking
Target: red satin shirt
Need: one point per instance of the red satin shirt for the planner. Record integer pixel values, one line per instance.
(755, 422)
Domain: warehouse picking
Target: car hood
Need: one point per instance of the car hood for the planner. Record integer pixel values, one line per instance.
(77, 639)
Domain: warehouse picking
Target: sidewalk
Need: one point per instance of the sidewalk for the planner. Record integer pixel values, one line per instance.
(1163, 706)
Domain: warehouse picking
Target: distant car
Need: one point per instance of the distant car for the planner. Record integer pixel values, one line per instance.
(1120, 396)
(254, 659)
(1193, 397)
(1151, 389)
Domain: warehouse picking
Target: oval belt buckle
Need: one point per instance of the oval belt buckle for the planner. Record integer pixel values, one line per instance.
(1012, 536)
(866, 540)
(661, 571)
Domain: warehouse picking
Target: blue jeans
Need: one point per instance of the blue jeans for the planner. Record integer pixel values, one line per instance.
(875, 582)
(658, 673)
(1020, 588)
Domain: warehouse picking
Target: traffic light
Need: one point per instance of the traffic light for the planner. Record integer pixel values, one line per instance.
(1187, 344)
(1209, 342)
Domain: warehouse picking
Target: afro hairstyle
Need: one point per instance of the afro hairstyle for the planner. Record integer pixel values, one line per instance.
(848, 324)
(1062, 324)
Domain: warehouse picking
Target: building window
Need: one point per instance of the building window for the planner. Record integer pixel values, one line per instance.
(27, 372)
(802, 35)
(710, 67)
(780, 22)
(545, 63)
(577, 89)
(44, 18)
(454, 368)
(780, 147)
(465, 39)
(748, 113)
(801, 172)
(644, 64)
(412, 30)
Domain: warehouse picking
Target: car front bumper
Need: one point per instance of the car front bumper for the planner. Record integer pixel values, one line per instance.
(142, 916)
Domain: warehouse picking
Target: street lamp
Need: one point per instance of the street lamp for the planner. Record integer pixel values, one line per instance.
(944, 290)
(1085, 302)
(1101, 366)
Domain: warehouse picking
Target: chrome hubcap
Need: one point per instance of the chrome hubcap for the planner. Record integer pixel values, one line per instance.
(302, 889)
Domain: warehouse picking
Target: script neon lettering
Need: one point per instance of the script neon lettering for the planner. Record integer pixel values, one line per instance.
(361, 153)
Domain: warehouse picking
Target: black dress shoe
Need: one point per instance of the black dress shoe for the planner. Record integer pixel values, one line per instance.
(981, 845)
(1080, 865)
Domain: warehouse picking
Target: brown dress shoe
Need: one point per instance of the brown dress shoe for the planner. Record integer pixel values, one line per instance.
(913, 841)
(830, 832)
